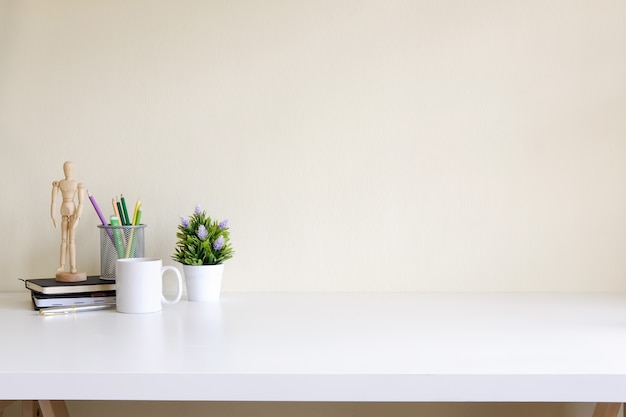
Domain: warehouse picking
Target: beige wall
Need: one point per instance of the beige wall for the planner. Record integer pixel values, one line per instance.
(368, 146)
(355, 146)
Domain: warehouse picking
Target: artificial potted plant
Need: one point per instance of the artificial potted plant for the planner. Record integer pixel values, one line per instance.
(203, 246)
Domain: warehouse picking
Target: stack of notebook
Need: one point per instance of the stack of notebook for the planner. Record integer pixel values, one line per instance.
(47, 292)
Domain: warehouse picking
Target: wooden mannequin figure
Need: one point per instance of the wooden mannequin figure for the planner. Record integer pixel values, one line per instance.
(70, 214)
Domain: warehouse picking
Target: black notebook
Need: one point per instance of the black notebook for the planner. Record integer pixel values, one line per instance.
(52, 286)
(77, 299)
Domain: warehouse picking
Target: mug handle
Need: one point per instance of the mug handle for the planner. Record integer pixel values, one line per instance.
(179, 279)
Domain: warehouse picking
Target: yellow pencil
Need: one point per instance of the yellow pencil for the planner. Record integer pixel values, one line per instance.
(134, 223)
(131, 240)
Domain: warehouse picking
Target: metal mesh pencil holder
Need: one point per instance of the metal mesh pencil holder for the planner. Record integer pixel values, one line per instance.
(117, 242)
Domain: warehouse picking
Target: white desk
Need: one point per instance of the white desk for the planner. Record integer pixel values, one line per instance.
(324, 347)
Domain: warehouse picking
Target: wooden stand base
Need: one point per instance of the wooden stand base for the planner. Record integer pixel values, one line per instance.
(71, 276)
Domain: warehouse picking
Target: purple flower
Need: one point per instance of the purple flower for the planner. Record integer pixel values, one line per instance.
(184, 222)
(198, 210)
(223, 224)
(219, 243)
(202, 232)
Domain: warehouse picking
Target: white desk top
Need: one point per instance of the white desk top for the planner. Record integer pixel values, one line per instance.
(324, 347)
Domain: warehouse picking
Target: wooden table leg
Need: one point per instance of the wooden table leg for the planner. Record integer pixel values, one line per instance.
(29, 408)
(53, 408)
(4, 404)
(48, 408)
(606, 409)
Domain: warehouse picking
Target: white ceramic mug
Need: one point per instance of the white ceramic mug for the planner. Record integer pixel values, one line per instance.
(139, 285)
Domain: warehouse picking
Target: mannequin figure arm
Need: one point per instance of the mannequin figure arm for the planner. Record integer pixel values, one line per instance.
(79, 208)
(55, 191)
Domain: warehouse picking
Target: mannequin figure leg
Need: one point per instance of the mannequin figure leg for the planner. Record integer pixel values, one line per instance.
(64, 233)
(72, 242)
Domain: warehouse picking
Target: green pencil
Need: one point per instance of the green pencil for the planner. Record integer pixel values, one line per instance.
(121, 213)
(126, 218)
(117, 235)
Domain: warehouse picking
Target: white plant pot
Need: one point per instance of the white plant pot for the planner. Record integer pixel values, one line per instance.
(204, 282)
